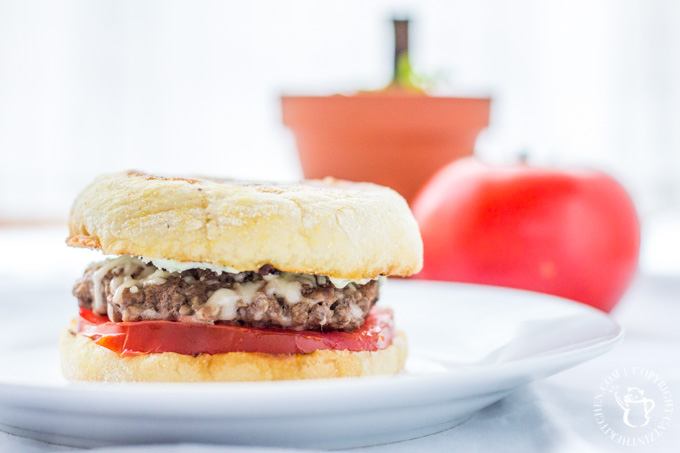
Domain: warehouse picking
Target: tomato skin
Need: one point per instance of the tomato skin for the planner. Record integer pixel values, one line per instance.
(571, 233)
(128, 339)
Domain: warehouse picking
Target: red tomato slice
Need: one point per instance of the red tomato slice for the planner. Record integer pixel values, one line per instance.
(129, 339)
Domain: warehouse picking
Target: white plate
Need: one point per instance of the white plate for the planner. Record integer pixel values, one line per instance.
(469, 347)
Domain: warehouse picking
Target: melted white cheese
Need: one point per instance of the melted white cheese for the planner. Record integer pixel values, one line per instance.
(225, 300)
(286, 285)
(181, 266)
(356, 311)
(248, 290)
(342, 282)
(99, 304)
(119, 283)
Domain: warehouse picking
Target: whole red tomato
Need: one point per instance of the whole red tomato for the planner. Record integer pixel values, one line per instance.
(572, 233)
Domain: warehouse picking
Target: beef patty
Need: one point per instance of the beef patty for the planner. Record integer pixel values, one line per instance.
(128, 289)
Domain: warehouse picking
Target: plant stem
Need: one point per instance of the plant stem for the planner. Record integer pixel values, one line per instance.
(400, 46)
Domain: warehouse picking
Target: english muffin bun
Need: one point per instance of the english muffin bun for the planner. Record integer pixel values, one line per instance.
(330, 227)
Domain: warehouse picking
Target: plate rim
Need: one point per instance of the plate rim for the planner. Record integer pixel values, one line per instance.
(550, 363)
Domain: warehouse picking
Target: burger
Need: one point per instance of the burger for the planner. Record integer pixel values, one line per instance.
(220, 280)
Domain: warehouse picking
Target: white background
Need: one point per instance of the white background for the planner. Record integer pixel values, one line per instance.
(193, 86)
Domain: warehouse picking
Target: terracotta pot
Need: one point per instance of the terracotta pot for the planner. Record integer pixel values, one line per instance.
(396, 140)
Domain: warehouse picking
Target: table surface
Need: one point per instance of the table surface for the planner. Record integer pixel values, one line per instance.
(552, 415)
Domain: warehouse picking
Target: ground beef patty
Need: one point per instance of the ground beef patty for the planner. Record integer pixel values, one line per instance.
(131, 290)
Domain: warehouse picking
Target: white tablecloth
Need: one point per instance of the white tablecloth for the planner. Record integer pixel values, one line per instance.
(555, 414)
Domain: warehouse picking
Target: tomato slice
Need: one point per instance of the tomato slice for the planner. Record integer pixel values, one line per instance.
(129, 339)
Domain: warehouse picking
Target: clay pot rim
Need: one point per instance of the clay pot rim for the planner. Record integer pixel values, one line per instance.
(385, 96)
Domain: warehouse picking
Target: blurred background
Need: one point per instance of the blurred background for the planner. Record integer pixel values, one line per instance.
(194, 87)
